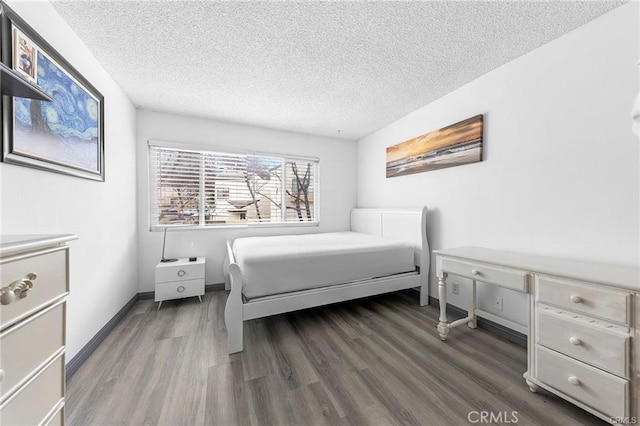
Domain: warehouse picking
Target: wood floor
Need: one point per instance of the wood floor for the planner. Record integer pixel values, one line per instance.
(376, 361)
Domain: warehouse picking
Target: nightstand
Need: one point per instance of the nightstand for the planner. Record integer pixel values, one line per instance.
(176, 280)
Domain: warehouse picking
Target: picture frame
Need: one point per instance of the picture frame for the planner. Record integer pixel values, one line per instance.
(65, 135)
(454, 145)
(25, 56)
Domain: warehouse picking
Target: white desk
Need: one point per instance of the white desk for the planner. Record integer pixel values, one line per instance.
(584, 331)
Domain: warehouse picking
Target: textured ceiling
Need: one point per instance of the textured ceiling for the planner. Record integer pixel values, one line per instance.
(342, 69)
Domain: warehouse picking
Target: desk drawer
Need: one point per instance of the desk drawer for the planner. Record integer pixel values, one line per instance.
(603, 391)
(504, 277)
(28, 345)
(593, 345)
(51, 282)
(32, 403)
(586, 298)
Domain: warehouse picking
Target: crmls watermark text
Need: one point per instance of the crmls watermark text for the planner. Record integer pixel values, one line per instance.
(492, 417)
(624, 420)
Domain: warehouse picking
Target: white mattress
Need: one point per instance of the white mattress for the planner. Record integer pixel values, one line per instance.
(282, 264)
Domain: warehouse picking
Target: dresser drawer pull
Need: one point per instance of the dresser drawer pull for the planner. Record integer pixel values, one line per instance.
(1, 374)
(575, 341)
(575, 298)
(181, 273)
(475, 272)
(17, 289)
(574, 381)
(180, 289)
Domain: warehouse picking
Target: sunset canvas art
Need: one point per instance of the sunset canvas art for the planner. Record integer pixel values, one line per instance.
(454, 145)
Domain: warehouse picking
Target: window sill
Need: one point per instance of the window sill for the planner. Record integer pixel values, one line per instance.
(160, 228)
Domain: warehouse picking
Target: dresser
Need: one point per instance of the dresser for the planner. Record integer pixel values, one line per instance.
(34, 281)
(179, 279)
(583, 340)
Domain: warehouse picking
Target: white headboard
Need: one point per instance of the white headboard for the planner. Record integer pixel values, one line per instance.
(408, 225)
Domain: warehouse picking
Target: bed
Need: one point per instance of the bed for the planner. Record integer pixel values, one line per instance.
(386, 250)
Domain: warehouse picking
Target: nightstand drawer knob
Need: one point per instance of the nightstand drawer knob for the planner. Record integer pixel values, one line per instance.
(575, 298)
(475, 272)
(574, 381)
(180, 289)
(575, 341)
(181, 273)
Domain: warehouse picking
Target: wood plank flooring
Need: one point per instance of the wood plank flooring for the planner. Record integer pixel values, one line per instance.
(375, 361)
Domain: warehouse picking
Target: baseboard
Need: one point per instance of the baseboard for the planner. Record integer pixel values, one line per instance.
(213, 287)
(146, 295)
(492, 327)
(73, 365)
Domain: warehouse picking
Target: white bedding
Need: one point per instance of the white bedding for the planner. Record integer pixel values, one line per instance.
(282, 264)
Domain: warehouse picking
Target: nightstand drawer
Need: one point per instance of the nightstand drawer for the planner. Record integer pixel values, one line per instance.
(504, 277)
(50, 282)
(179, 289)
(33, 403)
(594, 345)
(603, 391)
(586, 298)
(180, 271)
(28, 345)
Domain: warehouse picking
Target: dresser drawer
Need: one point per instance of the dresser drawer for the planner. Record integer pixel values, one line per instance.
(180, 272)
(179, 289)
(57, 419)
(33, 403)
(51, 282)
(604, 392)
(594, 345)
(596, 301)
(504, 277)
(29, 345)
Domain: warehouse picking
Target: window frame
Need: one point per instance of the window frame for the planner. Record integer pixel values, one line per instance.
(204, 149)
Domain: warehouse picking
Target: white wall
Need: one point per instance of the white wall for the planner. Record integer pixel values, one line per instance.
(337, 186)
(560, 170)
(103, 271)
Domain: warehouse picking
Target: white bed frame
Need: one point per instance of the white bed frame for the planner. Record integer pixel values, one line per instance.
(401, 224)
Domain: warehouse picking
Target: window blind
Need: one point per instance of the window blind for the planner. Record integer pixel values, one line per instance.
(300, 178)
(206, 188)
(224, 182)
(176, 190)
(265, 183)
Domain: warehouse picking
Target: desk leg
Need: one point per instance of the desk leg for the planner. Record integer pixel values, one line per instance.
(443, 326)
(472, 307)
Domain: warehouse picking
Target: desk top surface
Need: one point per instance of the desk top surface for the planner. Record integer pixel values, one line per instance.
(621, 276)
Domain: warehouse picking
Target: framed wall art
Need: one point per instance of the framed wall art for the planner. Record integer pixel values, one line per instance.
(64, 135)
(25, 56)
(454, 145)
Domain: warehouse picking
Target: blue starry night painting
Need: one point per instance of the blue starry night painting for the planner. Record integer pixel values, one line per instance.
(63, 131)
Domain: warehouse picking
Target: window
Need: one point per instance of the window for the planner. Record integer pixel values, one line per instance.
(206, 188)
